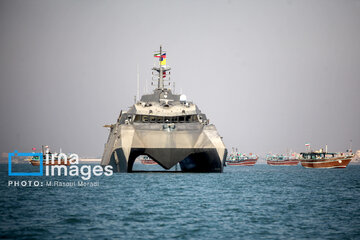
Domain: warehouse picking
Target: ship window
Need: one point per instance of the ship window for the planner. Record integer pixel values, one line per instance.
(145, 118)
(137, 118)
(174, 119)
(159, 119)
(188, 118)
(181, 119)
(152, 119)
(167, 119)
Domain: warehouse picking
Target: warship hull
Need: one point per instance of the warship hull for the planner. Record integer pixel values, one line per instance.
(167, 128)
(197, 148)
(195, 160)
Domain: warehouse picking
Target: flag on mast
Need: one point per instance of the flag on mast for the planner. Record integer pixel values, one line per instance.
(162, 61)
(158, 55)
(162, 58)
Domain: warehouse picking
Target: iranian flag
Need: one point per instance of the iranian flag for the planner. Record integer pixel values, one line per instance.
(158, 55)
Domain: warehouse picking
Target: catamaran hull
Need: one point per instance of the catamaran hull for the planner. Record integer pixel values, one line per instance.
(195, 147)
(190, 159)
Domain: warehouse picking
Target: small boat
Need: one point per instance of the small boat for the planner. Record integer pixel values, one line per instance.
(35, 160)
(282, 160)
(238, 159)
(146, 160)
(321, 159)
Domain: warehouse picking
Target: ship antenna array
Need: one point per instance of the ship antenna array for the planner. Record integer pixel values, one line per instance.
(162, 72)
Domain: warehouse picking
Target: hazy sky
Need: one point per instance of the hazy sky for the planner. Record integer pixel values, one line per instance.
(271, 75)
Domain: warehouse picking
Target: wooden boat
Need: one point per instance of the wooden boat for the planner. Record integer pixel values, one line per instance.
(325, 160)
(147, 160)
(238, 159)
(276, 160)
(35, 161)
(245, 162)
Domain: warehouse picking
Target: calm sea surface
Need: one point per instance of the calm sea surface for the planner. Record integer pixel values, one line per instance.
(259, 202)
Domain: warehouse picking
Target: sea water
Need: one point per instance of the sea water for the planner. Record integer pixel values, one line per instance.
(259, 202)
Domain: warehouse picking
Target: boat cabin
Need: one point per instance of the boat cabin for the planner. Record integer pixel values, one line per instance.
(316, 155)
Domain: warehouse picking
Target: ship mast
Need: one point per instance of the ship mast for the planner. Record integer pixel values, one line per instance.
(162, 69)
(161, 79)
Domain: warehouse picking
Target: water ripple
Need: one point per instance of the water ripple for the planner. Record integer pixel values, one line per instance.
(260, 202)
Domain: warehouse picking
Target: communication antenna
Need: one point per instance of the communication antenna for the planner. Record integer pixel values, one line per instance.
(145, 86)
(137, 83)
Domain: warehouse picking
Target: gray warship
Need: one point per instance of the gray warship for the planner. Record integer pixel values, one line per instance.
(167, 128)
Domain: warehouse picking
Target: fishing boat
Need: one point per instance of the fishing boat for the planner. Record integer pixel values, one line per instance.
(146, 160)
(282, 160)
(324, 159)
(35, 160)
(238, 159)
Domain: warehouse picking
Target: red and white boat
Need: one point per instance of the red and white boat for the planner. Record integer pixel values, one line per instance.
(146, 160)
(282, 160)
(238, 159)
(35, 160)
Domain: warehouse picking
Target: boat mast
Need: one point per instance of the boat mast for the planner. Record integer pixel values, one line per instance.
(161, 80)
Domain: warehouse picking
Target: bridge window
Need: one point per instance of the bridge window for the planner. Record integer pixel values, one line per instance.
(152, 119)
(159, 119)
(145, 118)
(137, 118)
(188, 118)
(174, 119)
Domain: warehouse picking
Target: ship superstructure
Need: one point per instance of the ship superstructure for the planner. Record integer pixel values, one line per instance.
(167, 128)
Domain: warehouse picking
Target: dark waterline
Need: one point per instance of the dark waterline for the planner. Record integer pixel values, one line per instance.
(259, 202)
